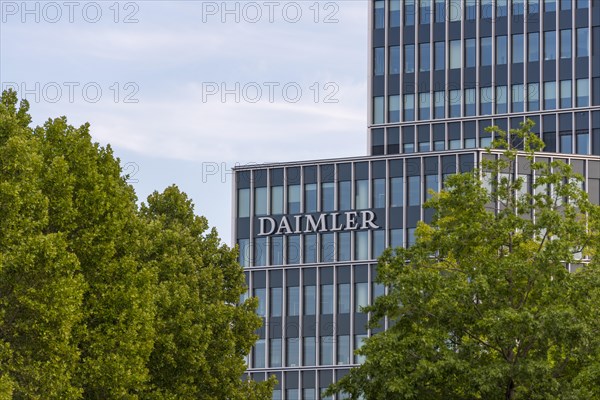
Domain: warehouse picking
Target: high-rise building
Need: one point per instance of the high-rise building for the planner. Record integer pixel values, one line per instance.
(442, 71)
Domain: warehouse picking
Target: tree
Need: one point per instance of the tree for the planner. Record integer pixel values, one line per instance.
(202, 333)
(483, 306)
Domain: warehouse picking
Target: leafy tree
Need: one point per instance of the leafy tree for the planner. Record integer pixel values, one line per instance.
(483, 306)
(202, 333)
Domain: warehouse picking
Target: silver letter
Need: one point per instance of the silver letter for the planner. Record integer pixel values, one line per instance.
(367, 218)
(262, 226)
(310, 222)
(351, 220)
(334, 223)
(284, 225)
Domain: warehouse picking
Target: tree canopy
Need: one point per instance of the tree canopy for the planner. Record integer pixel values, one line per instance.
(102, 299)
(483, 306)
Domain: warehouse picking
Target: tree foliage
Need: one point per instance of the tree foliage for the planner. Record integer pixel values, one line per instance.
(100, 299)
(483, 306)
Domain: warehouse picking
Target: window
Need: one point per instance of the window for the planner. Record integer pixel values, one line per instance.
(501, 52)
(455, 54)
(454, 106)
(277, 200)
(327, 247)
(424, 59)
(439, 145)
(518, 7)
(440, 10)
(326, 350)
(378, 110)
(344, 246)
(565, 94)
(259, 354)
(292, 353)
(397, 192)
(533, 96)
(379, 61)
(439, 57)
(583, 44)
(310, 300)
(327, 299)
(358, 342)
(549, 5)
(362, 194)
(293, 301)
(425, 11)
(276, 301)
(394, 108)
(310, 248)
(486, 8)
(424, 145)
(550, 45)
(414, 190)
(243, 203)
(408, 148)
(343, 298)
(379, 14)
(310, 197)
(439, 103)
(424, 106)
(261, 296)
(501, 8)
(583, 4)
(378, 243)
(394, 13)
(470, 52)
(394, 60)
(583, 92)
(565, 5)
(533, 46)
(309, 356)
(409, 107)
(244, 257)
(361, 245)
(549, 95)
(486, 51)
(275, 353)
(276, 250)
(454, 144)
(485, 99)
(566, 143)
(470, 102)
(344, 195)
(533, 6)
(293, 199)
(517, 48)
(327, 196)
(411, 240)
(260, 201)
(501, 100)
(379, 193)
(565, 43)
(260, 252)
(583, 140)
(517, 98)
(409, 58)
(396, 238)
(361, 296)
(455, 10)
(343, 349)
(431, 183)
(471, 9)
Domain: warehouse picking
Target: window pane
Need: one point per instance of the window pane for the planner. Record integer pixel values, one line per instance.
(243, 203)
(549, 5)
(259, 354)
(361, 296)
(275, 353)
(394, 108)
(397, 192)
(518, 7)
(379, 14)
(327, 299)
(310, 248)
(261, 295)
(431, 182)
(454, 103)
(276, 301)
(583, 139)
(394, 60)
(517, 48)
(293, 300)
(361, 245)
(533, 96)
(260, 201)
(455, 54)
(309, 351)
(378, 243)
(343, 298)
(277, 250)
(260, 251)
(517, 98)
(439, 57)
(455, 10)
(583, 4)
(409, 12)
(424, 106)
(327, 247)
(583, 92)
(396, 238)
(566, 143)
(379, 61)
(327, 350)
(310, 300)
(379, 193)
(343, 349)
(486, 51)
(501, 8)
(344, 195)
(485, 98)
(565, 4)
(471, 9)
(470, 52)
(533, 6)
(310, 197)
(583, 45)
(439, 104)
(424, 64)
(292, 353)
(550, 45)
(409, 58)
(501, 100)
(344, 246)
(358, 342)
(565, 43)
(440, 10)
(549, 95)
(293, 199)
(414, 191)
(501, 57)
(277, 200)
(534, 46)
(327, 195)
(378, 110)
(394, 13)
(470, 102)
(565, 94)
(409, 107)
(244, 248)
(362, 194)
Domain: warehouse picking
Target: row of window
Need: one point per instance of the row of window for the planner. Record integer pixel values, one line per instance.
(463, 53)
(440, 11)
(492, 100)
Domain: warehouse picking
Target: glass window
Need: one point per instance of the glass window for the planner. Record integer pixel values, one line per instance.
(565, 4)
(424, 106)
(292, 353)
(244, 256)
(470, 102)
(310, 197)
(379, 14)
(277, 200)
(486, 51)
(470, 52)
(439, 145)
(276, 250)
(501, 57)
(424, 63)
(292, 394)
(275, 352)
(517, 98)
(439, 56)
(409, 107)
(470, 143)
(343, 298)
(378, 110)
(396, 238)
(431, 181)
(276, 301)
(361, 296)
(455, 54)
(293, 199)
(549, 5)
(409, 58)
(583, 4)
(327, 196)
(425, 11)
(276, 394)
(501, 100)
(518, 51)
(533, 96)
(411, 240)
(344, 195)
(394, 13)
(439, 103)
(533, 6)
(310, 300)
(454, 103)
(414, 191)
(327, 350)
(471, 9)
(310, 248)
(566, 143)
(518, 7)
(550, 45)
(565, 43)
(260, 201)
(533, 46)
(440, 10)
(293, 300)
(361, 245)
(565, 94)
(424, 145)
(379, 193)
(394, 108)
(454, 144)
(378, 243)
(487, 7)
(309, 351)
(397, 192)
(343, 349)
(261, 295)
(378, 290)
(394, 60)
(362, 194)
(259, 354)
(327, 299)
(243, 203)
(583, 92)
(409, 12)
(344, 246)
(549, 95)
(501, 8)
(583, 44)
(379, 61)
(485, 99)
(583, 143)
(260, 251)
(358, 342)
(455, 10)
(327, 247)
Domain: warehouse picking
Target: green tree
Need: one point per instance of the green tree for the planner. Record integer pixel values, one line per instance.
(202, 331)
(483, 306)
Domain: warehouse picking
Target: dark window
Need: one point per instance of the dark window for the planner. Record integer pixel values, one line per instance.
(470, 52)
(583, 44)
(409, 58)
(379, 14)
(379, 61)
(501, 50)
(424, 58)
(394, 60)
(517, 48)
(409, 12)
(534, 46)
(439, 57)
(550, 45)
(486, 51)
(565, 43)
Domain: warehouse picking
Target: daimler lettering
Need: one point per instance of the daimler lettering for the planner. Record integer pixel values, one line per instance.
(331, 222)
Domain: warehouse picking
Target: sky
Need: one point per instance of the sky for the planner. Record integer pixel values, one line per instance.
(183, 91)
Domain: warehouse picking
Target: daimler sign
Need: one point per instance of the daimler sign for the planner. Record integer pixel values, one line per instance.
(329, 222)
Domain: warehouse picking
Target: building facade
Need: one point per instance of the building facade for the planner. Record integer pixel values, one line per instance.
(309, 232)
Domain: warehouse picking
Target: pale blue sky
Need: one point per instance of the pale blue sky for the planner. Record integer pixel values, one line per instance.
(175, 58)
